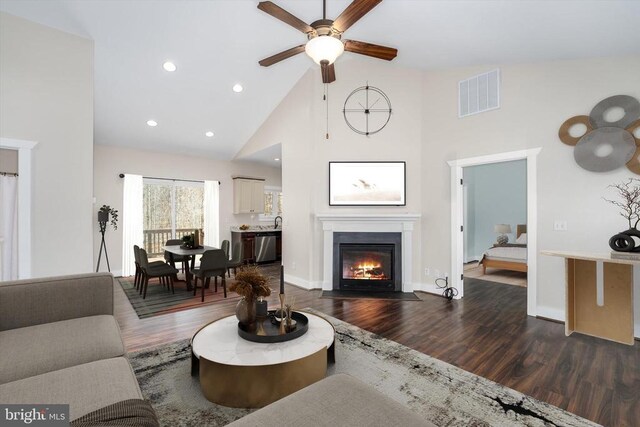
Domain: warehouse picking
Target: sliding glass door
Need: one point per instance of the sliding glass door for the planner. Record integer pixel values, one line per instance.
(171, 209)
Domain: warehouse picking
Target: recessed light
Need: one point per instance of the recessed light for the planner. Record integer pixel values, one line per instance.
(276, 159)
(209, 134)
(152, 123)
(169, 66)
(237, 88)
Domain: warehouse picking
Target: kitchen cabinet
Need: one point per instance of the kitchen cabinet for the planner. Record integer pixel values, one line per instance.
(248, 195)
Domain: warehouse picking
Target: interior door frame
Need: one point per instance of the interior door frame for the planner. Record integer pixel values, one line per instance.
(25, 173)
(457, 218)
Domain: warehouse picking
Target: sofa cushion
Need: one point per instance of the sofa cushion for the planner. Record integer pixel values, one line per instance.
(338, 400)
(85, 387)
(35, 350)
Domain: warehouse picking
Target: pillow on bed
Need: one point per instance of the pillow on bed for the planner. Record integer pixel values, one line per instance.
(522, 239)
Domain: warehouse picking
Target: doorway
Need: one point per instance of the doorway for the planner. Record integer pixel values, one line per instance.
(495, 221)
(24, 149)
(457, 217)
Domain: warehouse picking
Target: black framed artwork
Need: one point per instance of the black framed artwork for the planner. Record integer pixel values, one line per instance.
(367, 183)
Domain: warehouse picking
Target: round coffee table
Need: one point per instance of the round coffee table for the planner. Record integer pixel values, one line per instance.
(243, 374)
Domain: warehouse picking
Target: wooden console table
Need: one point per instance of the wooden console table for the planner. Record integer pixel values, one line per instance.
(587, 274)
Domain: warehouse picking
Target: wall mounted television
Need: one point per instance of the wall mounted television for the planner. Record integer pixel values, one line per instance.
(367, 183)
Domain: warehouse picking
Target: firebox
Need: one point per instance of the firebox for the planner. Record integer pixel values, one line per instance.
(368, 267)
(367, 262)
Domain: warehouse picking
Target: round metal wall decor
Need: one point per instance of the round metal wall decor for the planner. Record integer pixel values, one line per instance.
(617, 136)
(367, 110)
(622, 149)
(564, 134)
(629, 104)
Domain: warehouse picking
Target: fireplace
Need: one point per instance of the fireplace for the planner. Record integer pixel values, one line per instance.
(367, 262)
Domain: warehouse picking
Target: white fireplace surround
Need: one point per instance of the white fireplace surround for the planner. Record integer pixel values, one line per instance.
(368, 223)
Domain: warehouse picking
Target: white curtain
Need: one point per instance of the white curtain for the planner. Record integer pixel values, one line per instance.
(132, 225)
(212, 213)
(8, 227)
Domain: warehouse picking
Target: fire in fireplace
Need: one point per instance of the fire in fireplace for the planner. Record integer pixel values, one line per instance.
(367, 263)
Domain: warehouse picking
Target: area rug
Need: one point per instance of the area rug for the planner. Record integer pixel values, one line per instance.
(161, 301)
(435, 390)
(508, 277)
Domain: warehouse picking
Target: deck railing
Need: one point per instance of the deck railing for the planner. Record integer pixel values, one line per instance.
(154, 240)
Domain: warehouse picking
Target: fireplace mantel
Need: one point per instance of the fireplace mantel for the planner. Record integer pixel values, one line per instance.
(401, 223)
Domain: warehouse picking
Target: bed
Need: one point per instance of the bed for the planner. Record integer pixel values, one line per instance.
(511, 256)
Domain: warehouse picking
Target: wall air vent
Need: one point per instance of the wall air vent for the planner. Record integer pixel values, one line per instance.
(479, 93)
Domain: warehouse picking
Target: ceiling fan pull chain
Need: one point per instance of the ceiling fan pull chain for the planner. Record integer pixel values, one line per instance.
(326, 100)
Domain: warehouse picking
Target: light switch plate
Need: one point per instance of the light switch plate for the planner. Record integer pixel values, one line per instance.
(560, 225)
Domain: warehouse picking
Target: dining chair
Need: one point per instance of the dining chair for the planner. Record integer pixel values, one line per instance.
(236, 259)
(176, 258)
(163, 272)
(224, 245)
(212, 264)
(139, 273)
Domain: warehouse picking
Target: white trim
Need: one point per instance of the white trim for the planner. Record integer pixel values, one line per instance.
(25, 173)
(301, 283)
(551, 313)
(457, 215)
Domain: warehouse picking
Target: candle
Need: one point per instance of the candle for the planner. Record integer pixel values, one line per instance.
(282, 279)
(261, 308)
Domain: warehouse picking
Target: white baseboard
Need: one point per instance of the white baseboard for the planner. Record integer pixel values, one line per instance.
(302, 283)
(550, 313)
(474, 258)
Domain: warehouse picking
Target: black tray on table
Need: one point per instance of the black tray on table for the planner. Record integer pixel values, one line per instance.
(271, 328)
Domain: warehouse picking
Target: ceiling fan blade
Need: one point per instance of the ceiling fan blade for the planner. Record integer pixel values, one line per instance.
(281, 56)
(328, 72)
(353, 13)
(375, 50)
(281, 14)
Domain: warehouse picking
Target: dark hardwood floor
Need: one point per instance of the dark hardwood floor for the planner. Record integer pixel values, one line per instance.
(487, 333)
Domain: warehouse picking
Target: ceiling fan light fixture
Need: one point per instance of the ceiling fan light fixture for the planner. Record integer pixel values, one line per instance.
(324, 48)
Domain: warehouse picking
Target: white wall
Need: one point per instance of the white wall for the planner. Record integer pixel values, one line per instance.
(110, 161)
(536, 100)
(46, 82)
(496, 194)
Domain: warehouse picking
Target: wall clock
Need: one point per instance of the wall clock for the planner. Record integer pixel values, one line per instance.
(367, 110)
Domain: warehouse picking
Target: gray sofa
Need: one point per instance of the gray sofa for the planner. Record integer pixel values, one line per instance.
(338, 400)
(59, 343)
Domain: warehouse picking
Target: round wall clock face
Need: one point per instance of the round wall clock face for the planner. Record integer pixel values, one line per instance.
(367, 110)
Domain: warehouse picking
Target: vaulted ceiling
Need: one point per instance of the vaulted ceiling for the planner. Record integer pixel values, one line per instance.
(216, 44)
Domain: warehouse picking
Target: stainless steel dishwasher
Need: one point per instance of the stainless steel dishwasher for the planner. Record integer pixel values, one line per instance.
(265, 247)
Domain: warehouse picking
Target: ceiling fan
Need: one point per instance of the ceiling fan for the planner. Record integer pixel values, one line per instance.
(324, 36)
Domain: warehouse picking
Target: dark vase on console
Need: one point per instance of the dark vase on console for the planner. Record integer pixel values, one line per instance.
(624, 242)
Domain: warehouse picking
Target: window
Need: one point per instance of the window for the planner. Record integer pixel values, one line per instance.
(171, 209)
(272, 203)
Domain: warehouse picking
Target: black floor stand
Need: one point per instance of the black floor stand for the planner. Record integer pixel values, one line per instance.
(103, 228)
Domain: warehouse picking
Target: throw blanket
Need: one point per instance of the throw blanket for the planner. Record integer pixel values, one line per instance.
(127, 413)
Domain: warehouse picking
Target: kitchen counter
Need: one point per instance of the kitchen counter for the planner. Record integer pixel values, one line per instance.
(256, 229)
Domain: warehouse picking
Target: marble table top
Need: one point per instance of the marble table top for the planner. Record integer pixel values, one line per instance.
(219, 342)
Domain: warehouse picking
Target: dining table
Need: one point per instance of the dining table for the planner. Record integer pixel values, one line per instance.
(175, 250)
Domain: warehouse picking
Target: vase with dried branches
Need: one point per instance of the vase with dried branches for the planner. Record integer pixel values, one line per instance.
(251, 284)
(629, 204)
